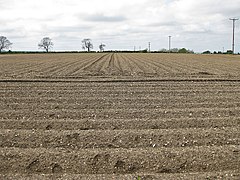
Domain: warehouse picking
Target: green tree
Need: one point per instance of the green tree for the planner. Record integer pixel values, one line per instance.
(183, 50)
(207, 52)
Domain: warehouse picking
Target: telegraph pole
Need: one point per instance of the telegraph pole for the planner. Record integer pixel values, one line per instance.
(149, 46)
(233, 43)
(169, 43)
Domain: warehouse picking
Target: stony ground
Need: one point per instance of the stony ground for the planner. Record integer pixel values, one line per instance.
(119, 116)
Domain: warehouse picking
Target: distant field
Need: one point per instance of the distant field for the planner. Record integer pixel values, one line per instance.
(119, 116)
(118, 66)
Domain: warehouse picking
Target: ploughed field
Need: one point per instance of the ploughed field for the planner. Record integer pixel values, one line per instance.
(119, 116)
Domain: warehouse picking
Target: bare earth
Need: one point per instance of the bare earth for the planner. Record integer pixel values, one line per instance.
(119, 116)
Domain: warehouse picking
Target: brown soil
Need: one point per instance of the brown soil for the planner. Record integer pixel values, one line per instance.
(119, 116)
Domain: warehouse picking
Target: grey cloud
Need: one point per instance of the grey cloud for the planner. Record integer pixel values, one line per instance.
(12, 32)
(225, 9)
(104, 18)
(166, 24)
(5, 4)
(68, 29)
(7, 30)
(198, 31)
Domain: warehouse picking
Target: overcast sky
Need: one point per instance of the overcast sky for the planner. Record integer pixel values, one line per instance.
(121, 24)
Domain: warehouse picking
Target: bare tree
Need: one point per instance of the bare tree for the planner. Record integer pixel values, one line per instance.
(87, 44)
(101, 47)
(4, 43)
(46, 43)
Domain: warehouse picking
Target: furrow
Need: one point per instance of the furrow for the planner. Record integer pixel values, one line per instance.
(120, 161)
(118, 124)
(75, 139)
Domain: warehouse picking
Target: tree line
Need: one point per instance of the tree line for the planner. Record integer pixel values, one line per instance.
(46, 43)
